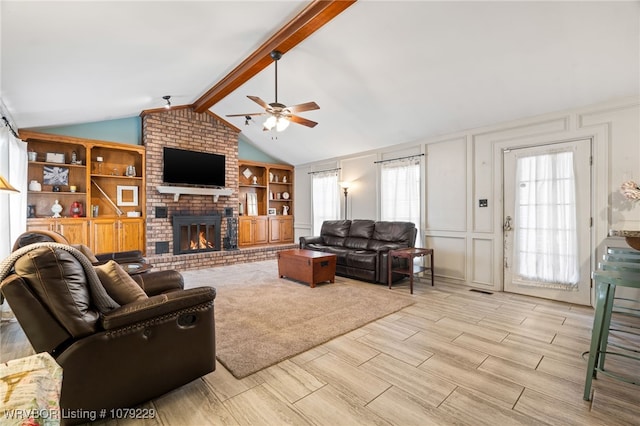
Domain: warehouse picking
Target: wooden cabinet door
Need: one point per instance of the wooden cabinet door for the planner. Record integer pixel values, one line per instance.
(104, 235)
(261, 230)
(131, 235)
(281, 229)
(245, 231)
(286, 230)
(274, 230)
(74, 230)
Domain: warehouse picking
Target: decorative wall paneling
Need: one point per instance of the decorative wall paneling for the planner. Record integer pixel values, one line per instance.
(446, 183)
(470, 162)
(482, 261)
(450, 256)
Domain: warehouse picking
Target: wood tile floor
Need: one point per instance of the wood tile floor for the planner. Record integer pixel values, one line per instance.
(456, 357)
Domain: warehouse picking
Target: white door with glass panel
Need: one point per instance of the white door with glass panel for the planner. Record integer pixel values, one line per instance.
(547, 221)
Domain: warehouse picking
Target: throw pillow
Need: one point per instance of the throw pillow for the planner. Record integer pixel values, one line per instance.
(120, 286)
(86, 251)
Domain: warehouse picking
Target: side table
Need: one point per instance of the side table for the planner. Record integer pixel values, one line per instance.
(410, 254)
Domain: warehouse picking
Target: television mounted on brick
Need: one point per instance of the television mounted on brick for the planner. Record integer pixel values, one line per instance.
(193, 168)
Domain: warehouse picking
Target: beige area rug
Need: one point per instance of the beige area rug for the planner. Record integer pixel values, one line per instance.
(262, 319)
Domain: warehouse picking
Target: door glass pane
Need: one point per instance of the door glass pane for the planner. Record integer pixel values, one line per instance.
(546, 248)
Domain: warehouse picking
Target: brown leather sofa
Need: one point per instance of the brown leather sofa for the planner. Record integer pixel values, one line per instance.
(362, 246)
(120, 358)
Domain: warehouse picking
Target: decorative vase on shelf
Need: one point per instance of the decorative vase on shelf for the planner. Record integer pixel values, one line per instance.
(255, 180)
(56, 209)
(34, 185)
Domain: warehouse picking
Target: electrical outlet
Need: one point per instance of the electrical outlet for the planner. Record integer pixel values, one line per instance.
(483, 202)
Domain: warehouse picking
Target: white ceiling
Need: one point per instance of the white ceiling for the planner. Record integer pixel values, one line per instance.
(383, 72)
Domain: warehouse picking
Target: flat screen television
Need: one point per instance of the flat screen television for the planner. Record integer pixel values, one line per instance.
(185, 167)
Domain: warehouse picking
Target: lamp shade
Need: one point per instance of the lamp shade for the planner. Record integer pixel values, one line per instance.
(6, 186)
(344, 184)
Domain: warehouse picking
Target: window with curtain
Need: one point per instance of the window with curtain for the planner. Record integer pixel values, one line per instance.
(546, 241)
(325, 198)
(400, 191)
(13, 166)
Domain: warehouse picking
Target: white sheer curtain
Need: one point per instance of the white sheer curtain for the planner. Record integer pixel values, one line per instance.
(546, 242)
(325, 198)
(13, 206)
(400, 192)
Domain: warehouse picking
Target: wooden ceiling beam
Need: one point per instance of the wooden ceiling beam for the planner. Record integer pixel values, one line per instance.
(312, 18)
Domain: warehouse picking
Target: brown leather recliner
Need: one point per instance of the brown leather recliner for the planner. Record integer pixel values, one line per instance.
(119, 358)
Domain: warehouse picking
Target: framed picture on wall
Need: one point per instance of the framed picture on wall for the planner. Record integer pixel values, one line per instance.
(127, 195)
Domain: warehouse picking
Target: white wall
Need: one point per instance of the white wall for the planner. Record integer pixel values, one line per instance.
(464, 167)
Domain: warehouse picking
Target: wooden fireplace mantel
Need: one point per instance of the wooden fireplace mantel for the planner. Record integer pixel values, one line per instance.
(177, 191)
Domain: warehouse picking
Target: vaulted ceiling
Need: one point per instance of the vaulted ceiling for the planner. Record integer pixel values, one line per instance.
(383, 72)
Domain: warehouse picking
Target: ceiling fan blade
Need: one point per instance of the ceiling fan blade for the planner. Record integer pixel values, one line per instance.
(303, 121)
(308, 106)
(244, 115)
(259, 101)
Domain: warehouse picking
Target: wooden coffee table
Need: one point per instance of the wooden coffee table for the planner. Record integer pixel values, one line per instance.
(308, 266)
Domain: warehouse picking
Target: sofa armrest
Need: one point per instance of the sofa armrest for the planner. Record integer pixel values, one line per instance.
(304, 241)
(132, 256)
(157, 306)
(158, 282)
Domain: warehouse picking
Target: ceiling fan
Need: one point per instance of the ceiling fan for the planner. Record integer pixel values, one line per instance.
(279, 115)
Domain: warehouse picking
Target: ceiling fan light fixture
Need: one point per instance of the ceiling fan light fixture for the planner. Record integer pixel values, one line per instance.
(282, 123)
(279, 115)
(270, 122)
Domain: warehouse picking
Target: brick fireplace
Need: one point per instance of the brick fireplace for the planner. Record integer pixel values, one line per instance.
(181, 127)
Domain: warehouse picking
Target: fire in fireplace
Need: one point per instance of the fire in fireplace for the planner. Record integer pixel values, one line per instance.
(196, 234)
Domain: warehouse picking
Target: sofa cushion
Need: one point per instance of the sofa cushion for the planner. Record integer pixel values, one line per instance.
(120, 286)
(330, 240)
(364, 259)
(356, 243)
(361, 228)
(376, 245)
(398, 232)
(335, 228)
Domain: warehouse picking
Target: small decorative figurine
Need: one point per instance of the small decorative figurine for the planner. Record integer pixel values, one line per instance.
(56, 209)
(255, 180)
(284, 179)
